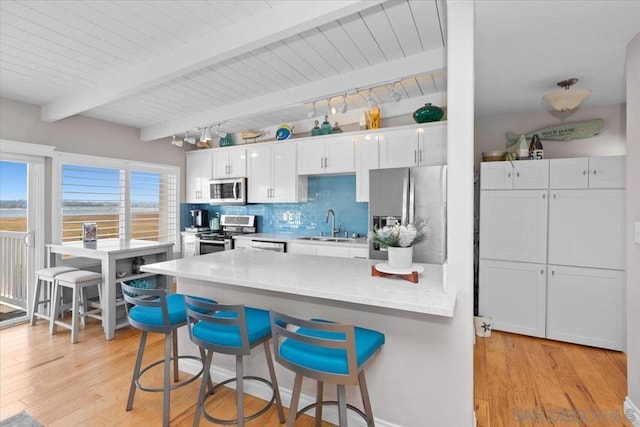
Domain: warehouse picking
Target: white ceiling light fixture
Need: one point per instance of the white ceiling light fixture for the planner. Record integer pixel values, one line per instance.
(176, 142)
(312, 112)
(330, 109)
(565, 99)
(396, 96)
(370, 101)
(343, 107)
(222, 134)
(189, 139)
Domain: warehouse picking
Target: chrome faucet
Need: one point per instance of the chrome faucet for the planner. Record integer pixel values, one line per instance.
(334, 230)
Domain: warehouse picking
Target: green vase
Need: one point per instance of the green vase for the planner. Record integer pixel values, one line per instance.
(428, 113)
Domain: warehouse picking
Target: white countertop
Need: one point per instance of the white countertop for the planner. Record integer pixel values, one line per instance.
(338, 279)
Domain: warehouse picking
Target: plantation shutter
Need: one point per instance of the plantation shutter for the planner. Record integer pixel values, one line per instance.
(153, 204)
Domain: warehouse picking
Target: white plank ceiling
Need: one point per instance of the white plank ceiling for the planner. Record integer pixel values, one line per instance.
(169, 66)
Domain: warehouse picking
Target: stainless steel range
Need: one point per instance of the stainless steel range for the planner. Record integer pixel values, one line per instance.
(210, 242)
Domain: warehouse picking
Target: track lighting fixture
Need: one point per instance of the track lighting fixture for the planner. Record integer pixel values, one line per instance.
(176, 142)
(343, 107)
(370, 101)
(312, 112)
(189, 139)
(396, 96)
(330, 109)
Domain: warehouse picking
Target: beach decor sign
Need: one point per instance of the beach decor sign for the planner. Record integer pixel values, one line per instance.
(563, 132)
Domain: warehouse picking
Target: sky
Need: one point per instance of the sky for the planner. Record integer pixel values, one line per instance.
(13, 181)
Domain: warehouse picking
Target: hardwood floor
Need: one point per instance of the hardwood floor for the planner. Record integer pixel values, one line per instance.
(87, 383)
(526, 381)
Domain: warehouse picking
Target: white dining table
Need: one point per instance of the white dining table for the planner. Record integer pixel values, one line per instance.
(109, 252)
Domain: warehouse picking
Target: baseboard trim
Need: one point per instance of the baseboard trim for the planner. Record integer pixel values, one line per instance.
(632, 412)
(262, 391)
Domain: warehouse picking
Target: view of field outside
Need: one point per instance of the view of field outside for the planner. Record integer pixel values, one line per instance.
(89, 194)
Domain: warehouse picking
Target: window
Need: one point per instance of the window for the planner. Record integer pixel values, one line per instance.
(124, 199)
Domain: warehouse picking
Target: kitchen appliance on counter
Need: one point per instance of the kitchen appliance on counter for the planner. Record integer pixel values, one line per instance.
(199, 220)
(404, 195)
(231, 225)
(228, 191)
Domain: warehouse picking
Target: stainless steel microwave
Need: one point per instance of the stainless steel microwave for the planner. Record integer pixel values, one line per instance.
(228, 191)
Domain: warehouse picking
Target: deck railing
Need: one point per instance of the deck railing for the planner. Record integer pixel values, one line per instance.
(13, 268)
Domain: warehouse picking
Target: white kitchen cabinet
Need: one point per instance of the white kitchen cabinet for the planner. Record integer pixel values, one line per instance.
(513, 225)
(518, 174)
(586, 306)
(413, 147)
(326, 156)
(301, 249)
(366, 158)
(241, 243)
(514, 296)
(271, 174)
(587, 172)
(334, 251)
(198, 175)
(229, 162)
(586, 228)
(327, 250)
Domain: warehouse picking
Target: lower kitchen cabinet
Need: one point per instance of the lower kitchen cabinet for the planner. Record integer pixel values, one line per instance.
(513, 294)
(327, 250)
(586, 306)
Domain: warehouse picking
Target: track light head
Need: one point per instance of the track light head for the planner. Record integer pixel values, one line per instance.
(312, 112)
(343, 107)
(176, 142)
(370, 101)
(396, 96)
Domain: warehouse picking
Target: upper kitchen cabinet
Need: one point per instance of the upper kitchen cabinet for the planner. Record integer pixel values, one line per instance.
(272, 176)
(198, 176)
(423, 146)
(518, 175)
(588, 172)
(229, 162)
(330, 155)
(366, 156)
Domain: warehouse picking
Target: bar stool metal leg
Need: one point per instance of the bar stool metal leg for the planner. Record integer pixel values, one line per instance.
(240, 391)
(206, 380)
(167, 379)
(364, 391)
(274, 381)
(295, 397)
(136, 370)
(342, 406)
(319, 407)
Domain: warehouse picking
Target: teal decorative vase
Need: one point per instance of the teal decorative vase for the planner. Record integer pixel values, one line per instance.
(428, 113)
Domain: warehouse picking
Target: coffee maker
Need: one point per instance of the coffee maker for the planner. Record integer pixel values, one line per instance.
(199, 220)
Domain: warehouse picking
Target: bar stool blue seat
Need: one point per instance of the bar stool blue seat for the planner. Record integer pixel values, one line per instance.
(45, 278)
(152, 310)
(232, 330)
(327, 352)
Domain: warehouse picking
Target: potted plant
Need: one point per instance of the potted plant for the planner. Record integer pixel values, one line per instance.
(399, 240)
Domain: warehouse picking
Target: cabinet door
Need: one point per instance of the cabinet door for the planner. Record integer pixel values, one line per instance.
(259, 174)
(433, 146)
(607, 172)
(301, 249)
(198, 175)
(399, 148)
(513, 225)
(496, 175)
(586, 228)
(220, 160)
(241, 243)
(514, 295)
(585, 306)
(531, 174)
(325, 250)
(569, 173)
(237, 162)
(366, 149)
(339, 155)
(284, 176)
(311, 158)
(359, 253)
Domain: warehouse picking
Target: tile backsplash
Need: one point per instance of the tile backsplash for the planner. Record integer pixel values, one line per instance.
(304, 218)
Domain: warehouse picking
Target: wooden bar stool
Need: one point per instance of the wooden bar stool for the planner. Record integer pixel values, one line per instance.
(78, 281)
(43, 291)
(152, 310)
(326, 352)
(233, 330)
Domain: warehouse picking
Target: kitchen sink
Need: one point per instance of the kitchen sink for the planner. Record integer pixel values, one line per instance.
(327, 239)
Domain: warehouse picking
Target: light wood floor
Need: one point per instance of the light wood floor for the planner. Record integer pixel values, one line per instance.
(519, 381)
(87, 383)
(526, 381)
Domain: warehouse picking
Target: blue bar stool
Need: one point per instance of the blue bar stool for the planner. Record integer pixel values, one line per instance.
(233, 330)
(326, 352)
(154, 311)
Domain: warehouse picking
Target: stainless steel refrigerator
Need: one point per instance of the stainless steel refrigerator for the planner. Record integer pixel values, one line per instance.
(404, 195)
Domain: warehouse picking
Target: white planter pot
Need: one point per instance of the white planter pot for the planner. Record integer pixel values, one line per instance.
(400, 257)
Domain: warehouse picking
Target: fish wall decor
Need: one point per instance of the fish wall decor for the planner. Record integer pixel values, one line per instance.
(563, 132)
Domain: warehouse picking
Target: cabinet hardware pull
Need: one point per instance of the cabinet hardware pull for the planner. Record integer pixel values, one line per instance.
(326, 163)
(594, 171)
(541, 271)
(321, 162)
(553, 273)
(421, 155)
(415, 156)
(544, 196)
(584, 172)
(273, 193)
(508, 174)
(229, 169)
(554, 196)
(517, 174)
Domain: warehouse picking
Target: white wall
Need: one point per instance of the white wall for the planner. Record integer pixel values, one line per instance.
(633, 215)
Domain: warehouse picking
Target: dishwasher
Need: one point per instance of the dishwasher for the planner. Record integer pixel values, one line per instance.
(265, 245)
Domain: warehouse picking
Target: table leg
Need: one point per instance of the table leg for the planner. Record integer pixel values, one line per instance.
(109, 297)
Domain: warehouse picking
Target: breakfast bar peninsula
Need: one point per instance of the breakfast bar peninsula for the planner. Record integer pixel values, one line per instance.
(408, 381)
